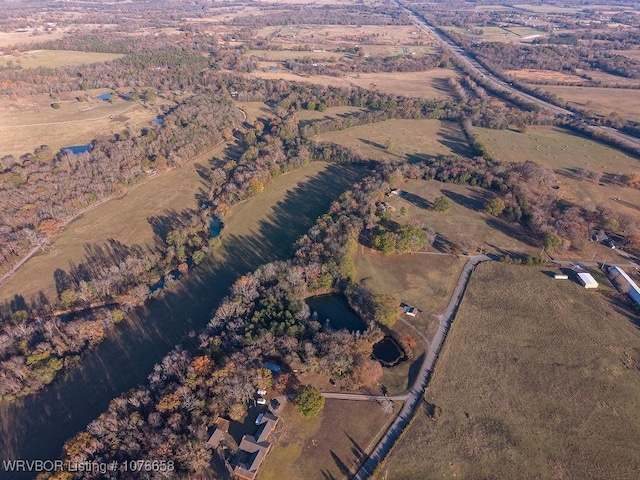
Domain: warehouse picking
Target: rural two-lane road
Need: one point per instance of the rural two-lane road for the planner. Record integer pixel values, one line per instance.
(412, 398)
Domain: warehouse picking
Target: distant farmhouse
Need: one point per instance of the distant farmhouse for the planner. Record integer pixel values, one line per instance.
(254, 449)
(633, 289)
(587, 280)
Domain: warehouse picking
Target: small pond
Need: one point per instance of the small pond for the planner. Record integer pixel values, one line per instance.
(104, 96)
(335, 309)
(215, 227)
(157, 121)
(388, 352)
(77, 149)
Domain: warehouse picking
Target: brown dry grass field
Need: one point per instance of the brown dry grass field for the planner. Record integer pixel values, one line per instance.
(12, 38)
(125, 220)
(409, 139)
(429, 84)
(328, 446)
(57, 58)
(26, 123)
(602, 101)
(529, 74)
(502, 34)
(635, 54)
(537, 379)
(464, 224)
(330, 37)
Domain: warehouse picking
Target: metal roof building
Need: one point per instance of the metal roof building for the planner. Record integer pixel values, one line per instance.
(587, 280)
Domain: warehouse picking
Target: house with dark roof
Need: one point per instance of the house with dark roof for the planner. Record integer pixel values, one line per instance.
(254, 448)
(222, 427)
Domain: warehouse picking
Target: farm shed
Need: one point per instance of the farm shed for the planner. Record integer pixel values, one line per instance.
(587, 280)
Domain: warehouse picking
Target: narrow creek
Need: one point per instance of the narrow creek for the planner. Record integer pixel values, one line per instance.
(37, 426)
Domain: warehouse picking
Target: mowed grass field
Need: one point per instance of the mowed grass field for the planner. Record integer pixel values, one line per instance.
(27, 123)
(56, 58)
(537, 379)
(422, 280)
(566, 153)
(464, 224)
(603, 101)
(330, 446)
(429, 84)
(409, 139)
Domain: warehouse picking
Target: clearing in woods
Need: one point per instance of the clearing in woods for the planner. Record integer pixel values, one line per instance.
(330, 445)
(27, 123)
(464, 227)
(422, 280)
(589, 173)
(537, 379)
(401, 139)
(56, 58)
(428, 84)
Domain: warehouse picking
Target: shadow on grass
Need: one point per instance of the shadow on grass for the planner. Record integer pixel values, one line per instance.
(414, 370)
(35, 427)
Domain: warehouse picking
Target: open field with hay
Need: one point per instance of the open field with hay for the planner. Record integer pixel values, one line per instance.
(603, 101)
(332, 445)
(429, 84)
(27, 123)
(537, 379)
(56, 58)
(333, 37)
(401, 139)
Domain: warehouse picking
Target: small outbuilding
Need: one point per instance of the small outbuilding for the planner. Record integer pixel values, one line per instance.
(587, 280)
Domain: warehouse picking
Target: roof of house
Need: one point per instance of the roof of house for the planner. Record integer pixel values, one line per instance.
(253, 449)
(216, 436)
(266, 426)
(587, 279)
(250, 457)
(222, 424)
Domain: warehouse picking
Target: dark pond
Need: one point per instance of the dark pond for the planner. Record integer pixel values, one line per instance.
(388, 352)
(335, 309)
(157, 121)
(77, 149)
(215, 227)
(104, 96)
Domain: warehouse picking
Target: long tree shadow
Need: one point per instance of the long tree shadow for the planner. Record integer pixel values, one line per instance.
(340, 464)
(36, 426)
(417, 200)
(474, 200)
(451, 136)
(514, 230)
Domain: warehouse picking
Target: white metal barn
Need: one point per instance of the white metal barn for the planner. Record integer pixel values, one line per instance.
(587, 280)
(634, 290)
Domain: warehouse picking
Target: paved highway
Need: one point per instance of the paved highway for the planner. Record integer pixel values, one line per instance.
(472, 63)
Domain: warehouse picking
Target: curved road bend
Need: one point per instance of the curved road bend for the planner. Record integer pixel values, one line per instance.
(413, 397)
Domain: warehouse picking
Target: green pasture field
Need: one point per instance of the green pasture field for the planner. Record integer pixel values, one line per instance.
(538, 378)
